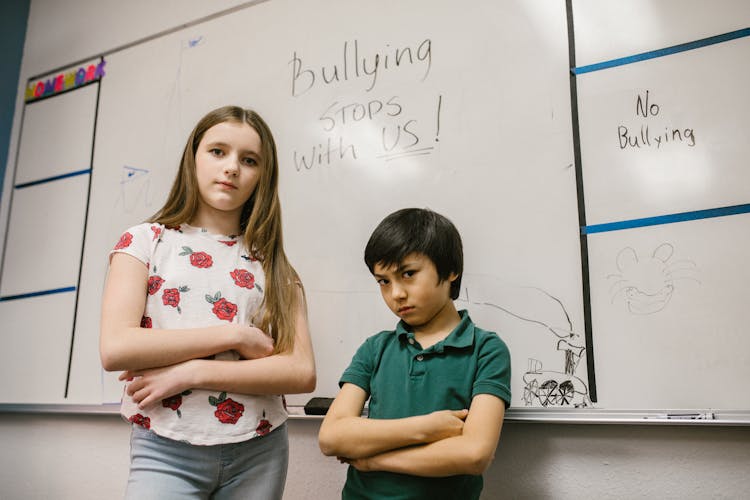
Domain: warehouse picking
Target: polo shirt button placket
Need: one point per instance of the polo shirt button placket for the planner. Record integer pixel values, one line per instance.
(418, 367)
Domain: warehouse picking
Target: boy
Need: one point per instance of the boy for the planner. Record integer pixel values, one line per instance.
(438, 385)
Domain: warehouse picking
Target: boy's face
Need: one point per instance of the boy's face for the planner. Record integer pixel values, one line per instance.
(412, 289)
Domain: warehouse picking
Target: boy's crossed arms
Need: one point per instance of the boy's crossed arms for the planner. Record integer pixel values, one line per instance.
(437, 444)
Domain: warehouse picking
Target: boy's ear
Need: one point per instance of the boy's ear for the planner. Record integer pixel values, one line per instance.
(452, 277)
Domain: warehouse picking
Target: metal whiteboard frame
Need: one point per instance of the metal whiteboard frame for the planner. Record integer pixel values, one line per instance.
(679, 417)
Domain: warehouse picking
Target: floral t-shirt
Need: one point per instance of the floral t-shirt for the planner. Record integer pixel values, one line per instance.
(199, 279)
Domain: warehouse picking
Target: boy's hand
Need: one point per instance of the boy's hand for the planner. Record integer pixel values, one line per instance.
(444, 424)
(361, 464)
(253, 342)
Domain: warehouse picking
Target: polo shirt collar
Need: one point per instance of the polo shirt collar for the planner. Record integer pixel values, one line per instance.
(461, 336)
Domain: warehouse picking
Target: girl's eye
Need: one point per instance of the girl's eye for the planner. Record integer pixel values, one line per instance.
(249, 161)
(216, 152)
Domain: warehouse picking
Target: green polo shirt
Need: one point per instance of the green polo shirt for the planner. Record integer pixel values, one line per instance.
(404, 380)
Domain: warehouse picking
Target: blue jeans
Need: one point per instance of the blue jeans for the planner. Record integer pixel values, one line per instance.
(162, 468)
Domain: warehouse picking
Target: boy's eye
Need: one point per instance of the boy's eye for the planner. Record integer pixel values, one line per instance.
(382, 282)
(409, 274)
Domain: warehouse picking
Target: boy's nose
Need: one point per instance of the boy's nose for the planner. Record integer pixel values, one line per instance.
(397, 291)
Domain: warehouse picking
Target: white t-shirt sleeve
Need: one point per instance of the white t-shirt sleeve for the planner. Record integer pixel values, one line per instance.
(137, 240)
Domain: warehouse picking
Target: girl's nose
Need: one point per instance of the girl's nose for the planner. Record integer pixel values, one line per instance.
(232, 166)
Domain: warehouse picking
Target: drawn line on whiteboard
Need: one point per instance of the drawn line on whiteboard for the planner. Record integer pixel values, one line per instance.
(195, 41)
(440, 105)
(37, 294)
(132, 173)
(675, 49)
(667, 219)
(53, 178)
(403, 154)
(560, 386)
(407, 155)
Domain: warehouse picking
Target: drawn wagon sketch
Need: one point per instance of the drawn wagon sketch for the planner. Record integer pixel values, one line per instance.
(557, 386)
(553, 388)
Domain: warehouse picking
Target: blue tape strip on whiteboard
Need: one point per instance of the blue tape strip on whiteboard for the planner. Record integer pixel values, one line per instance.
(37, 294)
(666, 219)
(732, 35)
(55, 178)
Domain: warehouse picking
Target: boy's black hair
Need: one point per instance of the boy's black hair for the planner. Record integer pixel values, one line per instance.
(418, 230)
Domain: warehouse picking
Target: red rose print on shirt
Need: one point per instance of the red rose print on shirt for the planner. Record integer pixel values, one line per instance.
(174, 402)
(156, 230)
(227, 411)
(198, 259)
(171, 297)
(264, 426)
(201, 259)
(154, 283)
(223, 309)
(125, 240)
(139, 419)
(173, 228)
(243, 278)
(146, 322)
(228, 243)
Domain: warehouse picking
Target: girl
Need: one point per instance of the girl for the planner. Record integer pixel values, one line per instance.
(207, 319)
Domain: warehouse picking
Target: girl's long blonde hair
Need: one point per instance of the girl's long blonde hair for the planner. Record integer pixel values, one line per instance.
(260, 222)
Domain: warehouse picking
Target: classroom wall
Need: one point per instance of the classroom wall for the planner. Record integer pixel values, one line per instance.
(80, 457)
(85, 457)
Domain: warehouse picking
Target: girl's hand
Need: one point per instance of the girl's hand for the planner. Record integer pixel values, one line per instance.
(148, 387)
(253, 343)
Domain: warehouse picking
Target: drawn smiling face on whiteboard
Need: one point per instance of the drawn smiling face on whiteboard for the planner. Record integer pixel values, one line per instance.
(646, 283)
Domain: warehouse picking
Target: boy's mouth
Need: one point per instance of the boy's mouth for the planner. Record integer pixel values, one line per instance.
(405, 309)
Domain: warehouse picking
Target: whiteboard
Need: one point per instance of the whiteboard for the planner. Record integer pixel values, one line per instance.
(414, 134)
(663, 169)
(42, 246)
(670, 313)
(660, 136)
(478, 128)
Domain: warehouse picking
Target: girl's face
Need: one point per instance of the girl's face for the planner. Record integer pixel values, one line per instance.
(227, 167)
